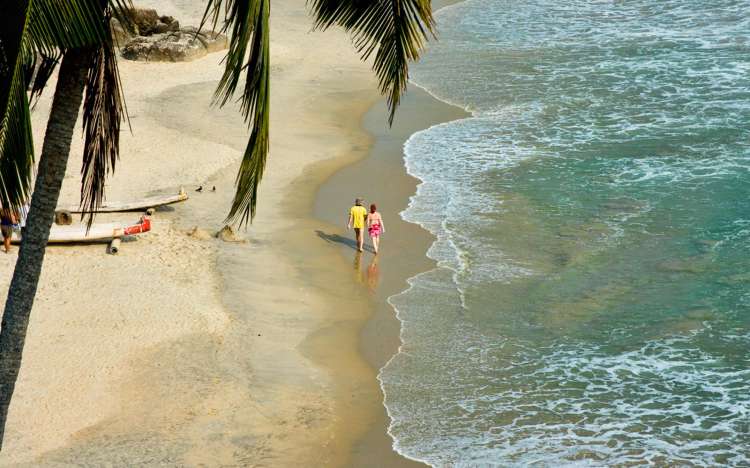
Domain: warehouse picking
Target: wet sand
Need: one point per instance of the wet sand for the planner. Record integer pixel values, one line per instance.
(381, 178)
(184, 350)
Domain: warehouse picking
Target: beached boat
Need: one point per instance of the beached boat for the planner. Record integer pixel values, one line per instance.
(138, 205)
(97, 233)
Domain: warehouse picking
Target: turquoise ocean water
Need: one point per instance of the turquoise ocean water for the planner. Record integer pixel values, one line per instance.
(591, 304)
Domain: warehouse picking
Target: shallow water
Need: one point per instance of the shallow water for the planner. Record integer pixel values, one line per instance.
(591, 304)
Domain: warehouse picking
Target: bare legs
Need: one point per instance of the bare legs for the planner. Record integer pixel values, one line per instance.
(360, 239)
(376, 243)
(6, 243)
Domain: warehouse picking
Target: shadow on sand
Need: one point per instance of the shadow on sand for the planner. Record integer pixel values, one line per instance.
(339, 239)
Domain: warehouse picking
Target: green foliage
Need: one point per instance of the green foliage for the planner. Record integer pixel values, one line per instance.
(33, 36)
(103, 109)
(395, 30)
(16, 146)
(248, 57)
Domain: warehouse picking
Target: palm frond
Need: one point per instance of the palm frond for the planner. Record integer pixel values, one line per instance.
(248, 57)
(28, 57)
(103, 110)
(38, 69)
(16, 144)
(64, 24)
(122, 10)
(44, 54)
(395, 30)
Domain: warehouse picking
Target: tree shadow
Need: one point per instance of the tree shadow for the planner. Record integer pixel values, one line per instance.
(339, 239)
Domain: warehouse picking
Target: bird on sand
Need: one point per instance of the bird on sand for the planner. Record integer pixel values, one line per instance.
(199, 189)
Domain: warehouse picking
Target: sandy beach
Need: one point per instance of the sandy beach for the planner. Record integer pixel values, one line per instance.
(187, 350)
(403, 245)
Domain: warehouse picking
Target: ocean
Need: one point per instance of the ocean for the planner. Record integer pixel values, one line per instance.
(592, 220)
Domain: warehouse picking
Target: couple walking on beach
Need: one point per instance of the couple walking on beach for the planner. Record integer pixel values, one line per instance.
(359, 218)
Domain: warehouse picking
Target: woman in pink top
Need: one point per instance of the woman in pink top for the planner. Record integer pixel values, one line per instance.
(375, 226)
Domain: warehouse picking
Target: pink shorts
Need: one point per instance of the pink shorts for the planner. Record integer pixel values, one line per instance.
(374, 230)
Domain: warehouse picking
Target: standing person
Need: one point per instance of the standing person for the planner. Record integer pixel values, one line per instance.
(8, 219)
(375, 226)
(357, 215)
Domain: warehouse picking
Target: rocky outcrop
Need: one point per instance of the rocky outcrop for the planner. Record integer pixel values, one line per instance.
(148, 22)
(176, 46)
(160, 38)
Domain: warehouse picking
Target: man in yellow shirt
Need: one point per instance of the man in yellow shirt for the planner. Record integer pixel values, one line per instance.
(357, 215)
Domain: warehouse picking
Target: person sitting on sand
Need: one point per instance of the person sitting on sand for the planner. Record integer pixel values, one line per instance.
(357, 215)
(375, 226)
(8, 220)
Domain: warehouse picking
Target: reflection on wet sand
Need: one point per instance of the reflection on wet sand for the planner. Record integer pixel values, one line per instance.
(358, 275)
(373, 275)
(370, 277)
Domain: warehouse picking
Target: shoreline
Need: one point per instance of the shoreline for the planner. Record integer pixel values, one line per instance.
(380, 336)
(225, 353)
(381, 176)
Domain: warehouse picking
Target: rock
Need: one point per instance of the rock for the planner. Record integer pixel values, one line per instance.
(211, 40)
(144, 20)
(227, 234)
(171, 21)
(162, 27)
(199, 234)
(174, 46)
(119, 33)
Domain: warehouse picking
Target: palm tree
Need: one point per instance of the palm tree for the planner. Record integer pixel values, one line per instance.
(393, 30)
(32, 36)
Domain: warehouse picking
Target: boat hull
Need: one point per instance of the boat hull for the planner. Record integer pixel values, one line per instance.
(138, 205)
(96, 233)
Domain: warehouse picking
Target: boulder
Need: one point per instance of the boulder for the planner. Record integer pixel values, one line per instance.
(174, 46)
(144, 20)
(211, 40)
(119, 33)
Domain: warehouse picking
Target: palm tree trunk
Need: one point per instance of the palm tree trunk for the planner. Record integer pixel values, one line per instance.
(52, 164)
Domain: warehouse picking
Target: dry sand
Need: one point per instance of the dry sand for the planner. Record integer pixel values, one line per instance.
(188, 351)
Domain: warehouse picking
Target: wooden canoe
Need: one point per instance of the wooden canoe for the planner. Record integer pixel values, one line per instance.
(138, 205)
(98, 232)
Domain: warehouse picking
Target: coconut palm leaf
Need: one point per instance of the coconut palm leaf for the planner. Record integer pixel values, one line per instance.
(103, 110)
(16, 147)
(50, 28)
(30, 30)
(248, 57)
(64, 24)
(39, 69)
(395, 30)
